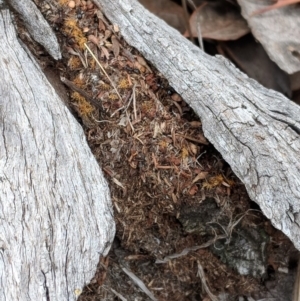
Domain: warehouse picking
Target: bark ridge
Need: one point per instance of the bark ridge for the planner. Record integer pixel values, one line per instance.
(56, 217)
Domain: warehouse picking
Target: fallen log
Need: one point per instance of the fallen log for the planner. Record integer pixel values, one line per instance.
(56, 217)
(255, 129)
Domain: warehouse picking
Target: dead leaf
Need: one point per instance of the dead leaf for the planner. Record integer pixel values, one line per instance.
(201, 176)
(116, 28)
(193, 148)
(101, 25)
(115, 46)
(195, 124)
(218, 21)
(142, 61)
(193, 190)
(252, 59)
(104, 52)
(167, 10)
(295, 81)
(93, 39)
(280, 3)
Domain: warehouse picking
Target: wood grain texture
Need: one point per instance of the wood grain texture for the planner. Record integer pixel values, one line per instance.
(255, 129)
(56, 217)
(278, 31)
(37, 26)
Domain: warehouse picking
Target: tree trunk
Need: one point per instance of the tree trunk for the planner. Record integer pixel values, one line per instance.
(255, 129)
(56, 217)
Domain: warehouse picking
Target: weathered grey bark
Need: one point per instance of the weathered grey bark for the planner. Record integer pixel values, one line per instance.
(56, 218)
(38, 27)
(277, 30)
(255, 129)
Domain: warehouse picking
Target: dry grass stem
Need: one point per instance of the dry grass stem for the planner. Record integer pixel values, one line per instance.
(118, 295)
(139, 283)
(103, 70)
(199, 33)
(134, 102)
(128, 118)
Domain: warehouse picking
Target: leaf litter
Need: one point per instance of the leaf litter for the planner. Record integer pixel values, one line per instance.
(151, 148)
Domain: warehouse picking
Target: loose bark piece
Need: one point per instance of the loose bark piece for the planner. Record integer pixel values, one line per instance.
(56, 217)
(277, 30)
(255, 129)
(37, 26)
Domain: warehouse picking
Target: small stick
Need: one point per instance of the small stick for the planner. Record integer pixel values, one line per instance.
(73, 87)
(139, 283)
(125, 106)
(205, 286)
(134, 103)
(186, 19)
(191, 249)
(127, 115)
(118, 295)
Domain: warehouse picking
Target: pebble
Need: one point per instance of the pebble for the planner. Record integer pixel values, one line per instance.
(72, 4)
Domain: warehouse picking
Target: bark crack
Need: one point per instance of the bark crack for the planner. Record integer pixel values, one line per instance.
(46, 286)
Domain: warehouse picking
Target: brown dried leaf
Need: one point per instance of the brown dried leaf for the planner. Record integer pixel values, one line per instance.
(295, 81)
(101, 25)
(116, 28)
(193, 190)
(201, 176)
(115, 46)
(252, 59)
(107, 34)
(94, 39)
(142, 61)
(167, 10)
(219, 21)
(193, 148)
(195, 124)
(104, 52)
(140, 67)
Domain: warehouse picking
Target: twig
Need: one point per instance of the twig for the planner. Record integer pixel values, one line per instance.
(201, 155)
(103, 70)
(228, 232)
(127, 115)
(72, 51)
(188, 250)
(73, 87)
(139, 283)
(178, 107)
(186, 19)
(134, 102)
(118, 295)
(100, 121)
(199, 34)
(125, 106)
(205, 286)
